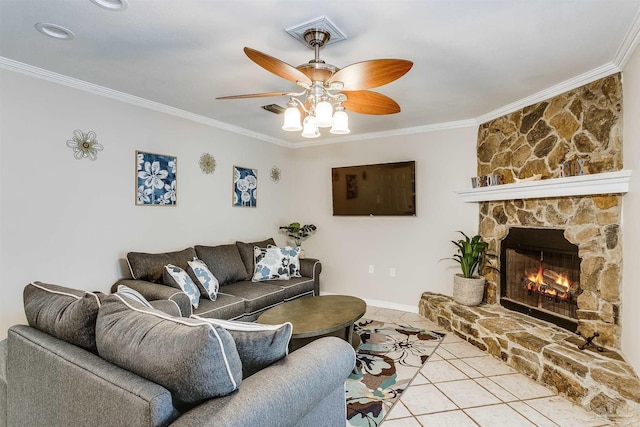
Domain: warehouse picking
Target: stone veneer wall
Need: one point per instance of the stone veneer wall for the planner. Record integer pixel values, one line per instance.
(584, 123)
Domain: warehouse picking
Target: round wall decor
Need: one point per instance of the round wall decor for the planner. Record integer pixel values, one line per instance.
(207, 163)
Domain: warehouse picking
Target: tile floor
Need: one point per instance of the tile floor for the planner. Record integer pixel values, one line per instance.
(462, 386)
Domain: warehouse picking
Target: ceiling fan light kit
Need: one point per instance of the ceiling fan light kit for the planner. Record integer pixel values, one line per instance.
(323, 101)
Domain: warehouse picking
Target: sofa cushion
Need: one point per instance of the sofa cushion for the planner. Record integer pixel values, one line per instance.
(204, 279)
(226, 306)
(271, 264)
(224, 262)
(150, 267)
(258, 345)
(193, 359)
(295, 287)
(65, 313)
(257, 296)
(246, 253)
(176, 277)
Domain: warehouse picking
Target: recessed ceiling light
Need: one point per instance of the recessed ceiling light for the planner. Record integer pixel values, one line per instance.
(111, 4)
(55, 31)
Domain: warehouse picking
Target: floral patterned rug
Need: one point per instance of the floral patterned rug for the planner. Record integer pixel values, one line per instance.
(388, 358)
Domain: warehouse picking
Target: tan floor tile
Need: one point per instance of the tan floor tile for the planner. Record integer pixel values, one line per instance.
(489, 365)
(467, 394)
(498, 416)
(468, 370)
(496, 390)
(425, 399)
(447, 419)
(441, 371)
(521, 386)
(564, 413)
(532, 415)
(402, 422)
(398, 411)
(462, 349)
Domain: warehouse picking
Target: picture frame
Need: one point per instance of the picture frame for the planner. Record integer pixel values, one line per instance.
(156, 179)
(245, 187)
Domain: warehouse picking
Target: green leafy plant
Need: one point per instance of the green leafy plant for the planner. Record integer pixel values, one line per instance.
(297, 232)
(471, 254)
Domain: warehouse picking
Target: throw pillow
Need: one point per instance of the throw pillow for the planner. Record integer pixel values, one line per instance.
(178, 278)
(258, 345)
(67, 314)
(133, 295)
(293, 252)
(224, 262)
(150, 267)
(271, 264)
(206, 281)
(194, 360)
(246, 253)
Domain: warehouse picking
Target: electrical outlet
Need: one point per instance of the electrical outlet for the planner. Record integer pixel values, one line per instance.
(392, 272)
(371, 269)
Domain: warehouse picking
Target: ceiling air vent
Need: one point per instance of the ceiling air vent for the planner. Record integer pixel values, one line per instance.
(274, 108)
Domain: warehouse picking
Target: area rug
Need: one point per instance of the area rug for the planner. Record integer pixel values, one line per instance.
(388, 358)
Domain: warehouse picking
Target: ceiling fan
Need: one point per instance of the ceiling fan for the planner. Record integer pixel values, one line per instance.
(329, 90)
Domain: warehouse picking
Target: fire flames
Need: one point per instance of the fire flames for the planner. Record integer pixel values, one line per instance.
(549, 283)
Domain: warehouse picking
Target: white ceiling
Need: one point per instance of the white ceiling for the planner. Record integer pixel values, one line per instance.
(473, 59)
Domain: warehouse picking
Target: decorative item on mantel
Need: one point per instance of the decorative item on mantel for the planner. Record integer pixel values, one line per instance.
(468, 287)
(207, 163)
(84, 145)
(575, 167)
(486, 180)
(298, 233)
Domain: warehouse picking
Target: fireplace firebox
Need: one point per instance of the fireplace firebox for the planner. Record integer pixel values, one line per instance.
(540, 275)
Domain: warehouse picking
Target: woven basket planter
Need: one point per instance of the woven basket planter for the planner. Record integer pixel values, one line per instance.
(468, 291)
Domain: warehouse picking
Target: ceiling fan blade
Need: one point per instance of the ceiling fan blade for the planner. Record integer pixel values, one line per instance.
(275, 66)
(368, 102)
(370, 74)
(254, 95)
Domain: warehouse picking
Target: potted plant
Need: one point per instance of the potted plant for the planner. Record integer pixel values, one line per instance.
(468, 286)
(298, 233)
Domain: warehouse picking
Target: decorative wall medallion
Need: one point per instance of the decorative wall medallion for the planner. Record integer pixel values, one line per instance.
(245, 187)
(84, 145)
(207, 163)
(275, 174)
(156, 179)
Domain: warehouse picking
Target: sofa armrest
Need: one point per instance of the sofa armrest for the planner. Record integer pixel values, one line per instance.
(304, 388)
(154, 291)
(54, 383)
(311, 267)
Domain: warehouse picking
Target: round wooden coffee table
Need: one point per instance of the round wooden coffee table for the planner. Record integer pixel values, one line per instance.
(313, 317)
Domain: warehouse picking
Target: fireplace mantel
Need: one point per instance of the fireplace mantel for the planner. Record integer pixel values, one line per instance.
(600, 183)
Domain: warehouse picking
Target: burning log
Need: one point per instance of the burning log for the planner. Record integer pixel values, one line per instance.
(550, 283)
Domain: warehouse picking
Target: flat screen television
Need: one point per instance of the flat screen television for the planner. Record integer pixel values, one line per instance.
(380, 189)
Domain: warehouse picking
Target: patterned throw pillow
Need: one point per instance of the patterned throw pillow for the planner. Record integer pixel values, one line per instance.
(271, 264)
(258, 345)
(210, 284)
(293, 252)
(134, 295)
(178, 278)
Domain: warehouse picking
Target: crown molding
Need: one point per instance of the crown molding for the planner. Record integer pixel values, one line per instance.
(629, 44)
(40, 73)
(565, 86)
(384, 134)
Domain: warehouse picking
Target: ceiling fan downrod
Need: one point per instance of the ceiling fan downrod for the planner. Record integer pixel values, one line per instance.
(315, 39)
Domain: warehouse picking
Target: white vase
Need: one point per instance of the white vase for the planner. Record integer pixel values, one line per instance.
(468, 290)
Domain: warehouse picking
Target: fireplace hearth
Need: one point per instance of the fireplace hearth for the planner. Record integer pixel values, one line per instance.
(540, 275)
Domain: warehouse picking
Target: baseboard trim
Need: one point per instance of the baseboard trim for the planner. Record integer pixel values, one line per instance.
(383, 304)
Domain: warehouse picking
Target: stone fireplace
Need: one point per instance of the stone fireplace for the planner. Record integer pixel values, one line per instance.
(576, 232)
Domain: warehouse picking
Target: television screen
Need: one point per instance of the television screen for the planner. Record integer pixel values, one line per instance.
(381, 189)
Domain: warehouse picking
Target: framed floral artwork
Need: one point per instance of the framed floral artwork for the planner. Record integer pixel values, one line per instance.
(245, 187)
(156, 179)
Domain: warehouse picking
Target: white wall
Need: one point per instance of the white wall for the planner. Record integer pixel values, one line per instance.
(71, 222)
(631, 211)
(445, 161)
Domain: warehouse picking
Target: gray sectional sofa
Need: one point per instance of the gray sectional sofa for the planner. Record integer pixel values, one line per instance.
(87, 359)
(233, 265)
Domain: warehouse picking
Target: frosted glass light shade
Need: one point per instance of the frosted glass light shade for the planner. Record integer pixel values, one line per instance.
(324, 110)
(310, 127)
(340, 123)
(291, 119)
